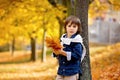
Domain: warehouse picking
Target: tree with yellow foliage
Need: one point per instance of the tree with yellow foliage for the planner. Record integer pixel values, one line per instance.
(31, 19)
(98, 7)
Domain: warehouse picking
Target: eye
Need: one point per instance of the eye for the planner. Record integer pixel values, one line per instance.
(74, 26)
(69, 25)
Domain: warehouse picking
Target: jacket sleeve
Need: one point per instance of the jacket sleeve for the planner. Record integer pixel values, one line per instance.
(76, 51)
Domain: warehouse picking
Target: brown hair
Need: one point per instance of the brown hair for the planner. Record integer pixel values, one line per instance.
(74, 20)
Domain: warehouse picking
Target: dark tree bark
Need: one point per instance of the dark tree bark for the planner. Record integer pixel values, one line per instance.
(61, 26)
(71, 7)
(79, 8)
(82, 13)
(33, 49)
(12, 46)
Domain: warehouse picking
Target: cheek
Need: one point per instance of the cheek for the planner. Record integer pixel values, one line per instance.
(67, 28)
(76, 29)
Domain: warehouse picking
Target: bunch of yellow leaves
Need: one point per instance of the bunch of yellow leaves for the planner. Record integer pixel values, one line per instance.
(53, 43)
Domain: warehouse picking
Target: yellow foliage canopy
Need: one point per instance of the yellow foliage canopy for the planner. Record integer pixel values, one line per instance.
(97, 8)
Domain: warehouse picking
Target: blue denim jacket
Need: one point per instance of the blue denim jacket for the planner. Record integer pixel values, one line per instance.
(71, 66)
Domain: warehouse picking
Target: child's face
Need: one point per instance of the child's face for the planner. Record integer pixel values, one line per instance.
(71, 29)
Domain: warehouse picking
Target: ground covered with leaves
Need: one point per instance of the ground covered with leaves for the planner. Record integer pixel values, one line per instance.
(12, 69)
(105, 62)
(105, 65)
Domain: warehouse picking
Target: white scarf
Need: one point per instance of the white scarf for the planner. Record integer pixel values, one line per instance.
(78, 39)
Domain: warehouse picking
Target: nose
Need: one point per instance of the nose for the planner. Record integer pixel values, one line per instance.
(71, 27)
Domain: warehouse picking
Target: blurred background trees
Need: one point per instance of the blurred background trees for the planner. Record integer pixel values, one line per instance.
(24, 23)
(28, 21)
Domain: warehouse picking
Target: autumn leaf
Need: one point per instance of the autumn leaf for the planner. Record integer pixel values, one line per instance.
(53, 43)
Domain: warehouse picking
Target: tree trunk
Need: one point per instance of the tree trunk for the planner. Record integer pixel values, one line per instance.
(70, 7)
(61, 26)
(63, 2)
(43, 54)
(33, 49)
(12, 46)
(79, 8)
(82, 13)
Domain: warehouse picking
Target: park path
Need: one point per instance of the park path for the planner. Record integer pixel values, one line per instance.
(27, 70)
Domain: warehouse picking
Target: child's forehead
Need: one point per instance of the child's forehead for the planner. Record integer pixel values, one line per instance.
(72, 23)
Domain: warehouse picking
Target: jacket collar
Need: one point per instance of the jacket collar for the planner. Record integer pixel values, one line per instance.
(73, 38)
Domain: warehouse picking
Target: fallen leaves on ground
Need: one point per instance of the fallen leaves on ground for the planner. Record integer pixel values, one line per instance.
(29, 70)
(105, 62)
(105, 65)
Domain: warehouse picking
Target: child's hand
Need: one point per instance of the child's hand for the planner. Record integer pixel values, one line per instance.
(59, 51)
